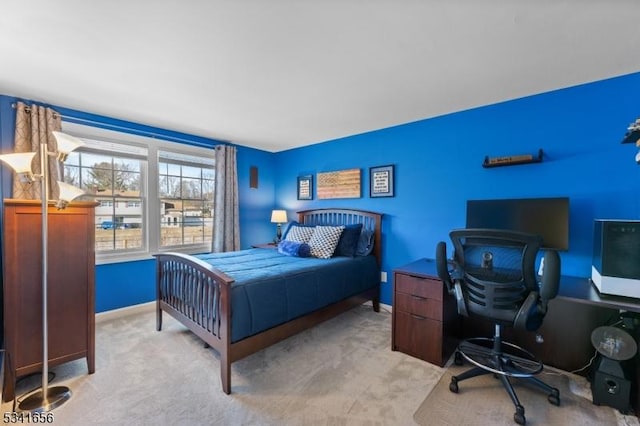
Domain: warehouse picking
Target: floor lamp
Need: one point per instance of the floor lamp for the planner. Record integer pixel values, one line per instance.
(47, 398)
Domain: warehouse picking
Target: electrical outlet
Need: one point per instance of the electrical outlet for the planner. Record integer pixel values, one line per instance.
(383, 277)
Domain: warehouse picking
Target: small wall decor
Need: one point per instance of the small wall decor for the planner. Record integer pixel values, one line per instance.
(253, 177)
(305, 187)
(339, 184)
(512, 160)
(381, 181)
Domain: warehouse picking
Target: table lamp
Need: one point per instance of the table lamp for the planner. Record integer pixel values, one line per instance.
(279, 217)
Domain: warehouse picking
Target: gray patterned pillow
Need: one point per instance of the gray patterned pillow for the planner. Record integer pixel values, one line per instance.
(300, 234)
(324, 241)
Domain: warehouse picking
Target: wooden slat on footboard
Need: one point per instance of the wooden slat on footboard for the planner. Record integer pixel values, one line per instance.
(192, 289)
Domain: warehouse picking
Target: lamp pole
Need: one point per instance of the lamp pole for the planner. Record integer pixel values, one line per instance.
(44, 194)
(48, 399)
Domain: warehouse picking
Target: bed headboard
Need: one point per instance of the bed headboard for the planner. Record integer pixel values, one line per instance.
(369, 220)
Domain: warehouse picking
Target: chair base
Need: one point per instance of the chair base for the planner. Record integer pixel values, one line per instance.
(503, 360)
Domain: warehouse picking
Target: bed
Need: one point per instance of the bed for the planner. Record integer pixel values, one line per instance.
(242, 302)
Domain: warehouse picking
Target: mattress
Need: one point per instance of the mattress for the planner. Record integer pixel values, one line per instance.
(271, 288)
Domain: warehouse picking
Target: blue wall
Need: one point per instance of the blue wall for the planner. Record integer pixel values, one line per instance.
(438, 167)
(130, 283)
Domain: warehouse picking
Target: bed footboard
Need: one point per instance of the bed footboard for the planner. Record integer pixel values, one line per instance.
(199, 297)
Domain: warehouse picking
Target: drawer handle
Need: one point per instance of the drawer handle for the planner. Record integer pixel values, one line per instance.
(414, 297)
(417, 278)
(418, 317)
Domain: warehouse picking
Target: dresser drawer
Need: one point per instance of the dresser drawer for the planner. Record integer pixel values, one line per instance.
(418, 305)
(420, 337)
(423, 287)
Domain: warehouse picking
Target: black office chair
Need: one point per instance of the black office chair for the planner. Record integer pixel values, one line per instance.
(492, 275)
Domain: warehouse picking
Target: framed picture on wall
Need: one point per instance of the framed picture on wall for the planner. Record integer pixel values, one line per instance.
(381, 181)
(305, 187)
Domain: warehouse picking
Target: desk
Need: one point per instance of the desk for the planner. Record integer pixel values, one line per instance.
(582, 290)
(575, 312)
(573, 315)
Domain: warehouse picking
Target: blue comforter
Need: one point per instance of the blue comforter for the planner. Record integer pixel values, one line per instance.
(271, 288)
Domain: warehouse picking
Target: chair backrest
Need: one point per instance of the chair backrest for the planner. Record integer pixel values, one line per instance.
(495, 270)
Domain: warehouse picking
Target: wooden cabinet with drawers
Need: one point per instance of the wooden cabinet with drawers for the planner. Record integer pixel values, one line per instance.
(70, 287)
(425, 321)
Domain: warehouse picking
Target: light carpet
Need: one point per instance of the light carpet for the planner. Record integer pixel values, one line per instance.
(341, 372)
(484, 397)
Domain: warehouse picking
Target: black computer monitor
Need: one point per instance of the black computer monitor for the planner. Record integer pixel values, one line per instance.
(547, 217)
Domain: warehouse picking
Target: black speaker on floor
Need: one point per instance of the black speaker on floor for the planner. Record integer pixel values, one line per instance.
(614, 370)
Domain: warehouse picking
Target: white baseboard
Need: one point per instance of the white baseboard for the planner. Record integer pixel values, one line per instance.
(126, 311)
(151, 306)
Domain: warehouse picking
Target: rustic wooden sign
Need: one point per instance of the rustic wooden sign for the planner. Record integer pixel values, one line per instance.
(339, 184)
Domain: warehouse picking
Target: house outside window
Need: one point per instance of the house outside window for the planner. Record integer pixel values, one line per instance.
(185, 186)
(153, 195)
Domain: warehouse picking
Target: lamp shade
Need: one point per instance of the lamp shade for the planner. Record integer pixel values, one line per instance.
(20, 162)
(279, 216)
(67, 194)
(66, 144)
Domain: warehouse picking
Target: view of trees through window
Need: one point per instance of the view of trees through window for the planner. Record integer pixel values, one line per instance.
(114, 182)
(185, 187)
(153, 194)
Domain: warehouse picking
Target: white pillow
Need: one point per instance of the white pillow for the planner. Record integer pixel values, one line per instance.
(300, 234)
(324, 241)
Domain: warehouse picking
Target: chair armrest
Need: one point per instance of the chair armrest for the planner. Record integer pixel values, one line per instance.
(550, 281)
(453, 284)
(529, 317)
(441, 266)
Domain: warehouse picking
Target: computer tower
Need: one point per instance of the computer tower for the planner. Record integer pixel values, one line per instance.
(616, 250)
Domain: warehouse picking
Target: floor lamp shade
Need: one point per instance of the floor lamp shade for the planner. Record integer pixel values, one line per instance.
(66, 144)
(67, 193)
(20, 162)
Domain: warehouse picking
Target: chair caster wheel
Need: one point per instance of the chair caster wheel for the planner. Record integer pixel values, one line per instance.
(457, 358)
(453, 386)
(554, 397)
(518, 416)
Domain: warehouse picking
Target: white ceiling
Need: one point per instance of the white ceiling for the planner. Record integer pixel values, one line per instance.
(279, 74)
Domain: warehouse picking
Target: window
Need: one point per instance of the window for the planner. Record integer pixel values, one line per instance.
(113, 180)
(153, 195)
(185, 186)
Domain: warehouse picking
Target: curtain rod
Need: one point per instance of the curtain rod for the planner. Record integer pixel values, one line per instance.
(27, 108)
(125, 129)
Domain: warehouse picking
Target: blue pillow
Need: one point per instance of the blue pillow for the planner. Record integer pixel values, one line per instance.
(365, 243)
(294, 248)
(348, 242)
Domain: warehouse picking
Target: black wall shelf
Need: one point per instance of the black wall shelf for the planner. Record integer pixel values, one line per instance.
(512, 160)
(633, 132)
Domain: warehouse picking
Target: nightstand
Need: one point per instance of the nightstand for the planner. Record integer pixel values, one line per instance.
(425, 321)
(265, 246)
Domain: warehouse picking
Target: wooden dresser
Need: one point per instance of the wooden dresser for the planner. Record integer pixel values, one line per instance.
(425, 322)
(71, 292)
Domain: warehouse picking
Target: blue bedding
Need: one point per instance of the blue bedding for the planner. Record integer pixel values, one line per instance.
(271, 288)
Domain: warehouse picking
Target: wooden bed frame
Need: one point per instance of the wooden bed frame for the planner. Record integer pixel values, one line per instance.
(199, 296)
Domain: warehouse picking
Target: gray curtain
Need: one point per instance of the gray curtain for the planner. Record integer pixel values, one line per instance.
(34, 125)
(226, 224)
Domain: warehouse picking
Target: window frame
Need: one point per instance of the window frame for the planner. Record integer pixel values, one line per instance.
(150, 194)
